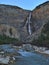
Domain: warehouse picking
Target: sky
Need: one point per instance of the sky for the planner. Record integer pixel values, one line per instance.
(25, 4)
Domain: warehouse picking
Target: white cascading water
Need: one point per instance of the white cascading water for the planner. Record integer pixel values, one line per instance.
(28, 23)
(29, 27)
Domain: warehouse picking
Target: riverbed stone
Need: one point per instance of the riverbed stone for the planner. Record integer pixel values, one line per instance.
(27, 47)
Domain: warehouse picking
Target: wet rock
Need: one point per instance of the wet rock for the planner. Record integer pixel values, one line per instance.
(27, 47)
(41, 49)
(2, 52)
(4, 60)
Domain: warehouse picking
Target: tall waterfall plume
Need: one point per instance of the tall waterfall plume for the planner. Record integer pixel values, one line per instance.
(28, 23)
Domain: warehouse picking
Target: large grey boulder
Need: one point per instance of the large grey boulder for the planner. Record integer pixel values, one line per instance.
(27, 47)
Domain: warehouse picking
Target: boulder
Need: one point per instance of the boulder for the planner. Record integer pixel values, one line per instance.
(27, 47)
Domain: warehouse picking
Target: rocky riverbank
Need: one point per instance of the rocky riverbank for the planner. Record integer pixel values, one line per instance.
(10, 53)
(42, 50)
(29, 47)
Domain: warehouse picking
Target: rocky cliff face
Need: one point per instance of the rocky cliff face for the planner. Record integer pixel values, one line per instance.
(15, 22)
(40, 16)
(12, 17)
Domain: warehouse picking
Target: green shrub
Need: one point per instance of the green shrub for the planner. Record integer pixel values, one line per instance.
(6, 39)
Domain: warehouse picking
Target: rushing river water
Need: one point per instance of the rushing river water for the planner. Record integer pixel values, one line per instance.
(32, 60)
(28, 58)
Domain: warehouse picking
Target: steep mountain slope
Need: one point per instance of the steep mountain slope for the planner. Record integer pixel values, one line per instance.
(43, 38)
(12, 17)
(40, 16)
(17, 23)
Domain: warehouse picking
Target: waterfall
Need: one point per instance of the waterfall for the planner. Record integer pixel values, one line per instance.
(28, 23)
(29, 26)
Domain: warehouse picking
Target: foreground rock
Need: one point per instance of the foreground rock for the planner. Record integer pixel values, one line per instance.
(46, 52)
(42, 50)
(27, 47)
(8, 54)
(4, 60)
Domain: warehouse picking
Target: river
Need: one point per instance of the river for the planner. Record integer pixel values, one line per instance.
(29, 58)
(35, 59)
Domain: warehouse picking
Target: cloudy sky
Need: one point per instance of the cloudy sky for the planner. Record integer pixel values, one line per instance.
(25, 4)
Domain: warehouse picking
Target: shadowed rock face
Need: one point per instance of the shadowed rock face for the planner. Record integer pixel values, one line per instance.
(40, 16)
(16, 17)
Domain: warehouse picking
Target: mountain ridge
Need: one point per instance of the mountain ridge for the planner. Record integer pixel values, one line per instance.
(14, 20)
